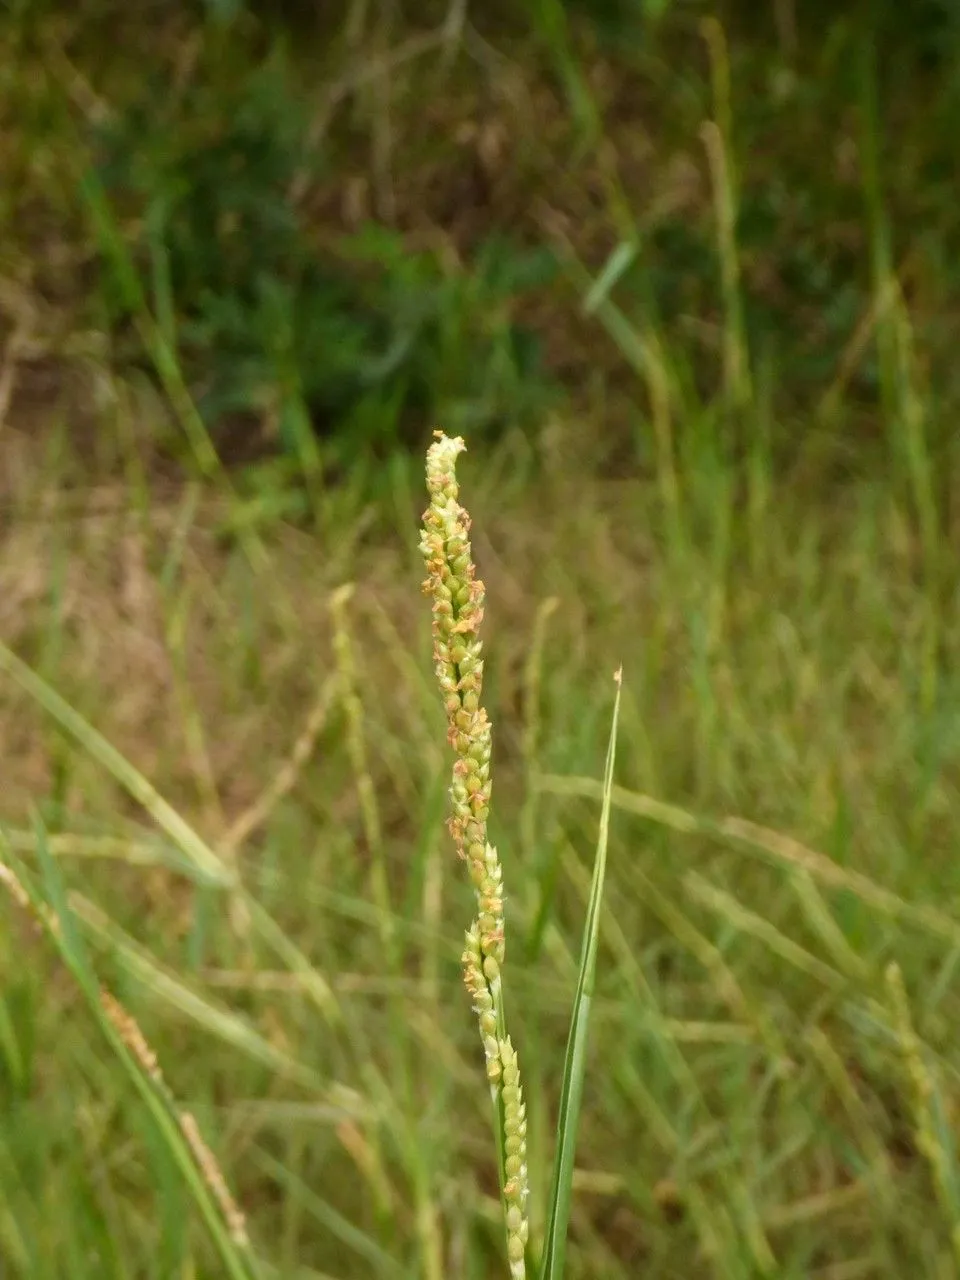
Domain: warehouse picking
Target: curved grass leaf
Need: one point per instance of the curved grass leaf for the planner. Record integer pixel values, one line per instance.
(208, 866)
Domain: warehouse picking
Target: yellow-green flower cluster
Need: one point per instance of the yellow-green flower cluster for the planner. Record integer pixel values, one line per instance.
(458, 597)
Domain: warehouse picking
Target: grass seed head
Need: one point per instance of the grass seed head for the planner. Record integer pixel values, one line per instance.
(458, 597)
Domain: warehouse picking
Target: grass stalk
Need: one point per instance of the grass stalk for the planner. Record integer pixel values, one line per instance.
(458, 597)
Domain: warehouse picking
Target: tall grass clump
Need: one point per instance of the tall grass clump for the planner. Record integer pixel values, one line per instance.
(175, 1128)
(458, 600)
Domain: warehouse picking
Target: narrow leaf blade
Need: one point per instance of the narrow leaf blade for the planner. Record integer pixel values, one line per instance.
(574, 1069)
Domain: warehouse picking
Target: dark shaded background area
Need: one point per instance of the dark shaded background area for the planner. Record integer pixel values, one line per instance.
(351, 221)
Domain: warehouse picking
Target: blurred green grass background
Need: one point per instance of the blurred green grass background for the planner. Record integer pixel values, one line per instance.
(685, 276)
